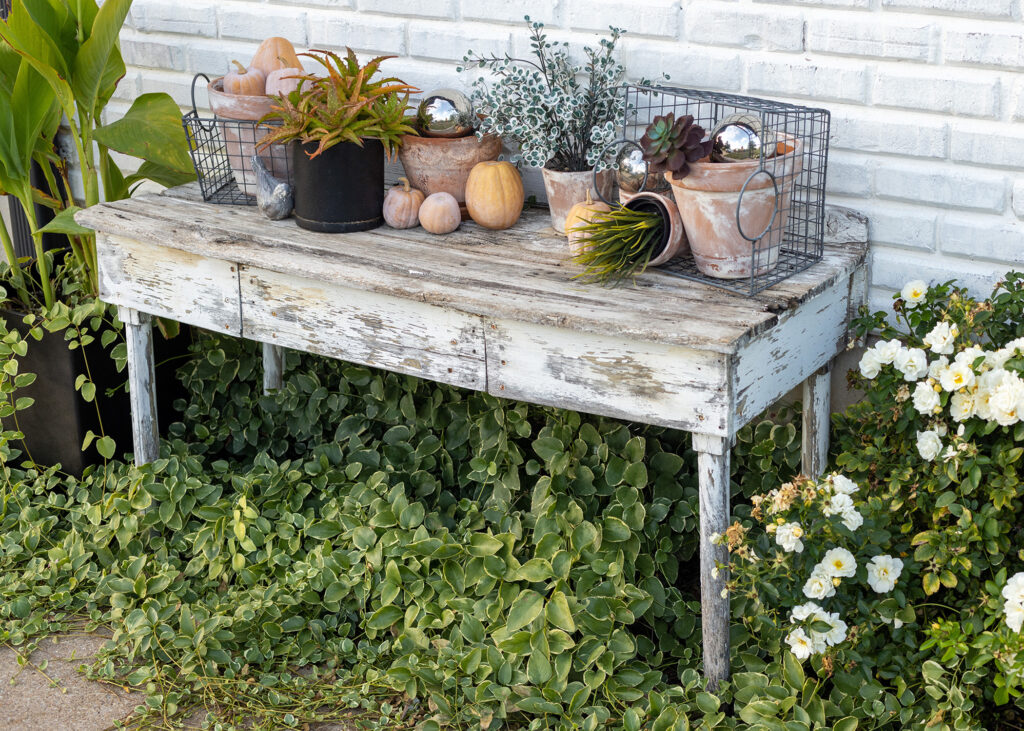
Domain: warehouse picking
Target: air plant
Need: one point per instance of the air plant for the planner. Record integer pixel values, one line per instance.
(671, 144)
(618, 244)
(346, 105)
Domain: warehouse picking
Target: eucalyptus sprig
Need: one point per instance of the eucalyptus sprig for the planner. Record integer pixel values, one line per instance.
(346, 105)
(618, 244)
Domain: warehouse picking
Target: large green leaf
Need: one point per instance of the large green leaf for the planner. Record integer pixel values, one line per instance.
(151, 130)
(32, 42)
(64, 223)
(164, 176)
(90, 72)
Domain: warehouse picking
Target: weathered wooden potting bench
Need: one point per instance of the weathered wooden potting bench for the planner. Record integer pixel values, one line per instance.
(498, 312)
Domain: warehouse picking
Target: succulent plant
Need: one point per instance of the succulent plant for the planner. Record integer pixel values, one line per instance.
(618, 244)
(671, 144)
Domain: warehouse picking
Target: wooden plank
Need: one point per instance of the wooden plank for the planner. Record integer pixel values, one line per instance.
(817, 413)
(273, 367)
(138, 333)
(363, 327)
(169, 283)
(613, 376)
(713, 473)
(778, 360)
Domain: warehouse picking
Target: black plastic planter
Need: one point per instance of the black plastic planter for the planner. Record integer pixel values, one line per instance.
(341, 189)
(56, 424)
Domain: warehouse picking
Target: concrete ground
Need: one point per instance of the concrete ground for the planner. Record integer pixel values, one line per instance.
(59, 698)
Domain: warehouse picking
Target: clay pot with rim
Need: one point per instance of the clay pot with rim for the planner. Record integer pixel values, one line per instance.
(674, 242)
(566, 189)
(240, 140)
(709, 197)
(442, 164)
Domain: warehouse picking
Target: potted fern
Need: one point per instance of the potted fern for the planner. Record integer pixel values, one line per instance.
(561, 114)
(341, 126)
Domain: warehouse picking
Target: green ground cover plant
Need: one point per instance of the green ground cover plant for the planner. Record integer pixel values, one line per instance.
(409, 555)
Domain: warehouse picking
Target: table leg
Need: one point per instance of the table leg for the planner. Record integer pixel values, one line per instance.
(273, 367)
(713, 469)
(817, 420)
(141, 384)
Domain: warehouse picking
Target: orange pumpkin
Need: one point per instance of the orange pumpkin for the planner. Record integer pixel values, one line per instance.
(245, 81)
(440, 213)
(402, 205)
(275, 53)
(580, 215)
(494, 194)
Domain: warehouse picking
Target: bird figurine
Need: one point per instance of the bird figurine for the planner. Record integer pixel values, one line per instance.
(275, 198)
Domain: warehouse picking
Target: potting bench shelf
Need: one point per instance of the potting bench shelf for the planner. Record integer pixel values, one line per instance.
(492, 311)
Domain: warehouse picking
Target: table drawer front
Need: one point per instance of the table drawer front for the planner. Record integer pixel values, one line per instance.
(169, 283)
(363, 327)
(639, 381)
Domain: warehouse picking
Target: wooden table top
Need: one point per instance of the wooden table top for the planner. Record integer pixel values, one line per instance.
(520, 274)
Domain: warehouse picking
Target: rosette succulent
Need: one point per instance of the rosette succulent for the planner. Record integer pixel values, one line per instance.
(671, 144)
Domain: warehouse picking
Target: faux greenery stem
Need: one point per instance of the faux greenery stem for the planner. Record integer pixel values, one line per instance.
(618, 244)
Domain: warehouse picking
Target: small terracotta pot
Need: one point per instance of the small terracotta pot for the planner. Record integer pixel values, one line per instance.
(566, 189)
(675, 242)
(442, 164)
(708, 199)
(240, 139)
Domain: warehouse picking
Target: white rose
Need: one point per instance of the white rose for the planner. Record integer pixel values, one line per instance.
(912, 363)
(843, 484)
(956, 376)
(1006, 400)
(888, 350)
(997, 359)
(800, 644)
(883, 572)
(852, 519)
(819, 586)
(940, 339)
(870, 364)
(840, 503)
(839, 563)
(1014, 616)
(937, 366)
(961, 406)
(838, 632)
(913, 292)
(802, 611)
(929, 444)
(926, 398)
(967, 356)
(1014, 589)
(788, 536)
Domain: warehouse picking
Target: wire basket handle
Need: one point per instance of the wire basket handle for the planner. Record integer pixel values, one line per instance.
(195, 109)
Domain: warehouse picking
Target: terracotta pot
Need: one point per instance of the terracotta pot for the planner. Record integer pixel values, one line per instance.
(564, 190)
(708, 199)
(240, 139)
(675, 243)
(442, 164)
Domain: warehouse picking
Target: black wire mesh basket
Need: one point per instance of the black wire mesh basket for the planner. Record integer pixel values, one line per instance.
(754, 214)
(222, 150)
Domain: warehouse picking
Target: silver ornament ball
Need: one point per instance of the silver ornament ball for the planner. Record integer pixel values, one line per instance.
(741, 137)
(631, 169)
(445, 113)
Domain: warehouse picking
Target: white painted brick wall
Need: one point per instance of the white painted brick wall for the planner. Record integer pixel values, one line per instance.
(927, 96)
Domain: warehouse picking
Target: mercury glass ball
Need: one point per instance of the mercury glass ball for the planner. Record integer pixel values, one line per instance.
(631, 171)
(445, 113)
(740, 137)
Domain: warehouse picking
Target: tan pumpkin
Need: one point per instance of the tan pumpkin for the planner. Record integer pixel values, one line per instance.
(440, 213)
(402, 205)
(281, 82)
(580, 215)
(245, 81)
(275, 53)
(494, 194)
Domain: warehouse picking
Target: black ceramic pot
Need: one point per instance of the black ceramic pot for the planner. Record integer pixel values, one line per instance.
(341, 189)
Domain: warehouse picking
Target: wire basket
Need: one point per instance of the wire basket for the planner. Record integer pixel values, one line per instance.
(221, 151)
(751, 223)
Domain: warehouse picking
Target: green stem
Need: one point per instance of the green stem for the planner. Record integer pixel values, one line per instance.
(12, 257)
(37, 242)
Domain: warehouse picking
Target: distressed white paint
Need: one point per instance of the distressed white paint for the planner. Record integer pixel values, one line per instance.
(817, 399)
(141, 383)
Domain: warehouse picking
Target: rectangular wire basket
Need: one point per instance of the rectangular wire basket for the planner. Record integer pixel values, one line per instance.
(785, 181)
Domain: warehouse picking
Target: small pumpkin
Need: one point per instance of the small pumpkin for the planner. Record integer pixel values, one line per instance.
(281, 82)
(440, 213)
(275, 53)
(580, 215)
(402, 205)
(494, 194)
(245, 81)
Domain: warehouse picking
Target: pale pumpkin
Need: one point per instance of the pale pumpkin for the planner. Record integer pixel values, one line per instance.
(275, 53)
(245, 81)
(440, 214)
(402, 205)
(580, 215)
(281, 82)
(494, 194)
